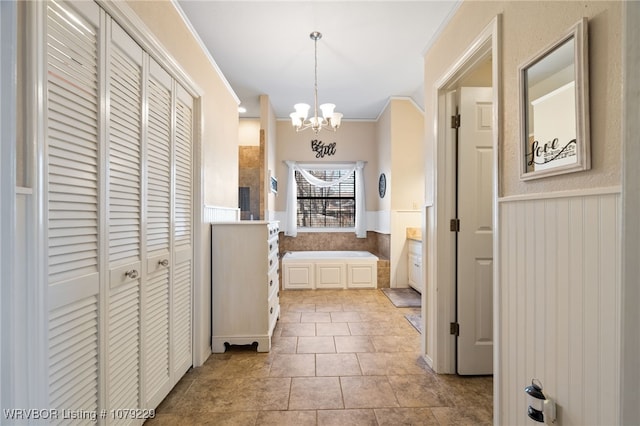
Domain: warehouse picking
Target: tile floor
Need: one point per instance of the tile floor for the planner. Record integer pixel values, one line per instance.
(343, 357)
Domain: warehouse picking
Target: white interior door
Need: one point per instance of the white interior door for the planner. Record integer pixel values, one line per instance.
(157, 290)
(182, 347)
(124, 171)
(73, 204)
(475, 238)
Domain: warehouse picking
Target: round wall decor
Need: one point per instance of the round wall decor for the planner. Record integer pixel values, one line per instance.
(382, 185)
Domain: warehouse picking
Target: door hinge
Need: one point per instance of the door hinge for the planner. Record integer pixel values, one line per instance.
(454, 328)
(454, 225)
(455, 121)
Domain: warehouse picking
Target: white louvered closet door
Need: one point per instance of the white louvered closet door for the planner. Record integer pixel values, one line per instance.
(157, 289)
(73, 170)
(124, 221)
(182, 235)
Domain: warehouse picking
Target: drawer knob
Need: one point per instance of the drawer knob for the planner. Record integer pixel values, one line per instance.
(164, 262)
(270, 262)
(271, 310)
(133, 274)
(270, 283)
(270, 247)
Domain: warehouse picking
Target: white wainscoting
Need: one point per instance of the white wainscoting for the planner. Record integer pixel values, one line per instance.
(560, 289)
(220, 214)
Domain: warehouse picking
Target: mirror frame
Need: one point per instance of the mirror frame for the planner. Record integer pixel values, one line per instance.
(578, 33)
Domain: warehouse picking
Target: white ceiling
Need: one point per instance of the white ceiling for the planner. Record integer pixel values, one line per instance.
(369, 51)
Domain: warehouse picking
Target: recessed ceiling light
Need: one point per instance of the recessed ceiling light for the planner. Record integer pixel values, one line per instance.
(242, 109)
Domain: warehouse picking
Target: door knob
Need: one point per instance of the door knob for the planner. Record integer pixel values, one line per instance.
(133, 274)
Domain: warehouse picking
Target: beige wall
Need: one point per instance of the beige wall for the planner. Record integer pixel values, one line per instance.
(407, 154)
(249, 132)
(383, 137)
(355, 140)
(219, 105)
(527, 28)
(268, 125)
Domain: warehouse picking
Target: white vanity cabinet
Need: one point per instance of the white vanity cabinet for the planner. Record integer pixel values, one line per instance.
(245, 283)
(415, 265)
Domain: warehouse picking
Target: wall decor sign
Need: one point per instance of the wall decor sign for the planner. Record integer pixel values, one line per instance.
(554, 107)
(321, 149)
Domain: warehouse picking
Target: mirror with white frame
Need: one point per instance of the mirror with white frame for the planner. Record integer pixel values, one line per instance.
(554, 108)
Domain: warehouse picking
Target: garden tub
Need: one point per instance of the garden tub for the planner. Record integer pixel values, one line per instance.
(329, 269)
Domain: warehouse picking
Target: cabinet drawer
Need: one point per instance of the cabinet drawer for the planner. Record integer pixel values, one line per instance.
(272, 244)
(272, 261)
(415, 247)
(274, 228)
(273, 282)
(274, 311)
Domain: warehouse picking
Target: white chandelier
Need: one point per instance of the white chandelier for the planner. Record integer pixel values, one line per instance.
(330, 119)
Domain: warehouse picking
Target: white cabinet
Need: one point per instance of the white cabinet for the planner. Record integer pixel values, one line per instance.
(245, 283)
(415, 265)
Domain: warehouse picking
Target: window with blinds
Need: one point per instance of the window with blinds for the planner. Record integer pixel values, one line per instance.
(332, 207)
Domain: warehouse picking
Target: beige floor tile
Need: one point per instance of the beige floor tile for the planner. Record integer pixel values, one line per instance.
(286, 418)
(393, 364)
(316, 345)
(358, 417)
(476, 390)
(337, 365)
(244, 362)
(302, 307)
(208, 395)
(396, 343)
(269, 393)
(293, 365)
(367, 392)
(315, 317)
(405, 416)
(368, 328)
(346, 316)
(377, 376)
(332, 329)
(328, 307)
(233, 418)
(298, 329)
(354, 344)
(290, 317)
(284, 345)
(315, 393)
(466, 415)
(419, 391)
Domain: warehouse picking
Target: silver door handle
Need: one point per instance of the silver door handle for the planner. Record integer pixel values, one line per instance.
(133, 274)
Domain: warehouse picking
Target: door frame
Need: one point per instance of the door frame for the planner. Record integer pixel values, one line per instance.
(440, 298)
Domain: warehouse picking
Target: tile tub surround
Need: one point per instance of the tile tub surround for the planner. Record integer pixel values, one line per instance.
(338, 357)
(375, 243)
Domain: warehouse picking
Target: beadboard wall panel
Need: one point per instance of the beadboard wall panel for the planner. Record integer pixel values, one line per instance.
(560, 293)
(220, 214)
